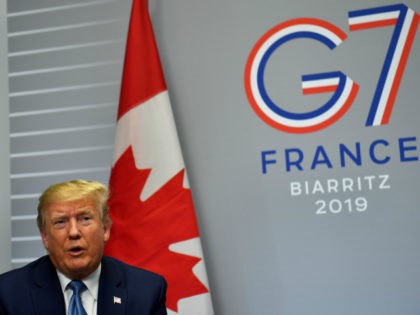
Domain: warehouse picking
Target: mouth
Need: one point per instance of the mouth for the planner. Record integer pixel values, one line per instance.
(76, 251)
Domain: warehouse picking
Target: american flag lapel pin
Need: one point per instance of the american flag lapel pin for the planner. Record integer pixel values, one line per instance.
(117, 300)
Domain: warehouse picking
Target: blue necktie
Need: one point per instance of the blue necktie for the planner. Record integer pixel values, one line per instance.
(75, 306)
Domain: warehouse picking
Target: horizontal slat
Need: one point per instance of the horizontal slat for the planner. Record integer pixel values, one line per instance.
(20, 262)
(59, 172)
(32, 184)
(94, 44)
(64, 68)
(63, 89)
(71, 80)
(24, 8)
(65, 37)
(80, 138)
(62, 120)
(52, 153)
(23, 196)
(101, 106)
(23, 218)
(71, 160)
(35, 133)
(95, 52)
(63, 28)
(64, 99)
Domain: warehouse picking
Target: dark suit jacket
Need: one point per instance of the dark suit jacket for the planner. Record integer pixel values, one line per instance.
(35, 290)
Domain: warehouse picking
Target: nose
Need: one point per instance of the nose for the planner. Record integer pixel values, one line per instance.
(74, 231)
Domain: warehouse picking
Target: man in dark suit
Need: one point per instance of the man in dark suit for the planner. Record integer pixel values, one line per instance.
(74, 225)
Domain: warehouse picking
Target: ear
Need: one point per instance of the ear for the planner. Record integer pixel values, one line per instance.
(107, 232)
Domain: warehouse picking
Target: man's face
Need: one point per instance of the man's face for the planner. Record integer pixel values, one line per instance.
(74, 236)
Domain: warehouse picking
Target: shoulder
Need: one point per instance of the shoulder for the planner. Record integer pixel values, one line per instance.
(115, 264)
(17, 283)
(130, 274)
(16, 276)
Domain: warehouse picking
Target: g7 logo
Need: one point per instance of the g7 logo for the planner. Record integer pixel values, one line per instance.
(344, 90)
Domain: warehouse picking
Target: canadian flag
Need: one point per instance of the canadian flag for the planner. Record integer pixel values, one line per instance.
(154, 223)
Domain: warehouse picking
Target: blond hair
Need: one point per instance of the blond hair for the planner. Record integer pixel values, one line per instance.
(75, 190)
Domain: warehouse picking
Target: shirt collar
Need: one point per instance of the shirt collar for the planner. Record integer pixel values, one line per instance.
(91, 281)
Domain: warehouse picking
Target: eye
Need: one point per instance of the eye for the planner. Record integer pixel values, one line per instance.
(59, 223)
(85, 219)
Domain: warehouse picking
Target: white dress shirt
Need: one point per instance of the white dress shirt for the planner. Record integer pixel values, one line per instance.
(89, 297)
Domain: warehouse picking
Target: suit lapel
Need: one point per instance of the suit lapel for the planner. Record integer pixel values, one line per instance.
(112, 297)
(47, 296)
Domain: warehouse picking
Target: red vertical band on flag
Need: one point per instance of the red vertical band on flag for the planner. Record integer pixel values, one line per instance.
(154, 224)
(142, 74)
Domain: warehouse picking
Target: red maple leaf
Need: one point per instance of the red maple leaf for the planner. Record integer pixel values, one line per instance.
(142, 231)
